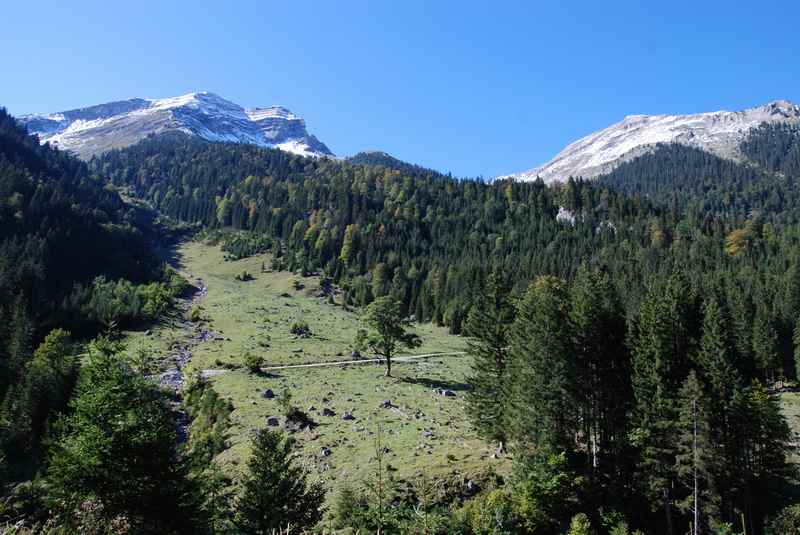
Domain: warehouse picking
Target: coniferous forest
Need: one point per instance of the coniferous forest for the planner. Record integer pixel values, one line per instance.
(628, 335)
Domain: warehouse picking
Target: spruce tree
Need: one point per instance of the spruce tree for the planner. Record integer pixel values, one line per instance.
(717, 360)
(717, 356)
(601, 367)
(118, 450)
(662, 338)
(488, 325)
(542, 409)
(696, 459)
(765, 346)
(275, 494)
(762, 466)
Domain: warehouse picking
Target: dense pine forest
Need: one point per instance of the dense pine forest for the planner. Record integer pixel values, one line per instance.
(627, 334)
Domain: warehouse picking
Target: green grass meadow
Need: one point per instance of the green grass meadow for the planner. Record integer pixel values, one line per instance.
(424, 432)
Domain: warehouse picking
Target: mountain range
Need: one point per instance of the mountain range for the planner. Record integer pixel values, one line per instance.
(96, 129)
(90, 131)
(719, 133)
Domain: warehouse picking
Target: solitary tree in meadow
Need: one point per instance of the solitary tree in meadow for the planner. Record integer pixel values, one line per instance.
(389, 330)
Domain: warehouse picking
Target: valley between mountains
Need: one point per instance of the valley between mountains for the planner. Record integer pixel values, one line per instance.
(423, 428)
(604, 322)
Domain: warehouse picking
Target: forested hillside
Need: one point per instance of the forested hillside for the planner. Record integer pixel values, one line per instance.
(430, 240)
(381, 159)
(776, 147)
(60, 229)
(706, 186)
(376, 230)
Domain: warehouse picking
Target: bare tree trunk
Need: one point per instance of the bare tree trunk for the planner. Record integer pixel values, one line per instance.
(388, 366)
(667, 511)
(696, 498)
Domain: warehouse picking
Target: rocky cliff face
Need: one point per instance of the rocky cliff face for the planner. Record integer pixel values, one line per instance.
(719, 133)
(96, 129)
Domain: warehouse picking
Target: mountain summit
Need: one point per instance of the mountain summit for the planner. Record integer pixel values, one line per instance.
(719, 133)
(96, 129)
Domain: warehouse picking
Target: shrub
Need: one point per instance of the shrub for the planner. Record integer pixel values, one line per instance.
(487, 513)
(196, 314)
(301, 328)
(787, 521)
(210, 419)
(244, 276)
(253, 363)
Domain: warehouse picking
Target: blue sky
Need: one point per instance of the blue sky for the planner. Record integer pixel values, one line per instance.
(476, 88)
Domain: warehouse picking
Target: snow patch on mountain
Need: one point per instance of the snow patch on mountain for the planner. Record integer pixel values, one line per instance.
(96, 129)
(719, 133)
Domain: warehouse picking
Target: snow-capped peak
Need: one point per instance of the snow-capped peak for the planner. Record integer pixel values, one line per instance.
(92, 130)
(196, 99)
(279, 112)
(719, 132)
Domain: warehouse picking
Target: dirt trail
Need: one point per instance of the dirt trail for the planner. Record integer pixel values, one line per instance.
(330, 363)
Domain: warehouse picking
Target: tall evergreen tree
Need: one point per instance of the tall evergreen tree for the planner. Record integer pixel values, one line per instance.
(275, 494)
(765, 346)
(542, 407)
(717, 355)
(662, 338)
(488, 328)
(601, 367)
(118, 449)
(762, 463)
(719, 365)
(696, 459)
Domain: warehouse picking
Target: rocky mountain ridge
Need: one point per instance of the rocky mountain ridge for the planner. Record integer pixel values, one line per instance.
(720, 133)
(96, 129)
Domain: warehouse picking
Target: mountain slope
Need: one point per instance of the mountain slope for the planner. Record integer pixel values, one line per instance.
(720, 133)
(383, 159)
(684, 177)
(96, 129)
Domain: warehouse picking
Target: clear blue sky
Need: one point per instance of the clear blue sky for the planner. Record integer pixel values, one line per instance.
(476, 88)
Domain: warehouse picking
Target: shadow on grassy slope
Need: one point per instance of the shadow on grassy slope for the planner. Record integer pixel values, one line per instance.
(436, 383)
